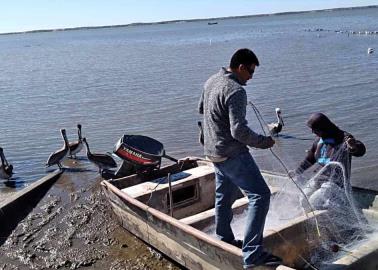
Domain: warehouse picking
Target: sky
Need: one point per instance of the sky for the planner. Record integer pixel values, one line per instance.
(26, 15)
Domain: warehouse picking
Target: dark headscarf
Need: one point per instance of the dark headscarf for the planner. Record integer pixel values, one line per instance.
(328, 129)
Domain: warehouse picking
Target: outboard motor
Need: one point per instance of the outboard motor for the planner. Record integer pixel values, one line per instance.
(139, 153)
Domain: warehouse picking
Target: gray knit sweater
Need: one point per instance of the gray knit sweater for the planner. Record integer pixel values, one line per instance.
(223, 105)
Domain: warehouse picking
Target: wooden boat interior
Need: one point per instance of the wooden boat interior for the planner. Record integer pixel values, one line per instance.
(192, 191)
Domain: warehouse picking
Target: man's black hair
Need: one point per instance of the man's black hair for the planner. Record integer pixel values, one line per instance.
(243, 57)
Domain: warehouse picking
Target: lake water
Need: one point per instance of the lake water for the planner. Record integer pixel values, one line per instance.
(148, 79)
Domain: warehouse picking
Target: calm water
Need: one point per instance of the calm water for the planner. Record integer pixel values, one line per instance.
(147, 80)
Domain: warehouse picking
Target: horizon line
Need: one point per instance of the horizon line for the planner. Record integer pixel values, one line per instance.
(185, 20)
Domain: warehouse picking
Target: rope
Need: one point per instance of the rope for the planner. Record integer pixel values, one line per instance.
(261, 121)
(148, 206)
(154, 189)
(161, 181)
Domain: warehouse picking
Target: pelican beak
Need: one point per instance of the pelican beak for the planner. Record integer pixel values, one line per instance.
(281, 120)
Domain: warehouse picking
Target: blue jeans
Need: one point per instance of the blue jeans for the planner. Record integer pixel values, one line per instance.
(234, 173)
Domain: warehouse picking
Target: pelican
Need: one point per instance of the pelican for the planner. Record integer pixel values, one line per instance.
(370, 50)
(57, 157)
(75, 147)
(200, 137)
(6, 169)
(102, 161)
(275, 128)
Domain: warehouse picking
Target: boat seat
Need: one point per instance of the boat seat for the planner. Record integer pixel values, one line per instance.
(205, 218)
(161, 183)
(192, 192)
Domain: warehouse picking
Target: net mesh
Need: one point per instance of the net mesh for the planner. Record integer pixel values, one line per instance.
(322, 195)
(339, 227)
(342, 225)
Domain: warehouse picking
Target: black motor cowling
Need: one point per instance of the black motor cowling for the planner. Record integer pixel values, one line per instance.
(140, 150)
(140, 154)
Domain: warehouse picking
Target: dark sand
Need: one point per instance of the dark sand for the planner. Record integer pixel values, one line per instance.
(73, 227)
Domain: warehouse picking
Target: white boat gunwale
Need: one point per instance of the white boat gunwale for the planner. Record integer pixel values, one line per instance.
(167, 229)
(169, 225)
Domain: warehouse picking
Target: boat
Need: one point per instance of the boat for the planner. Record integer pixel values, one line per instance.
(170, 207)
(18, 206)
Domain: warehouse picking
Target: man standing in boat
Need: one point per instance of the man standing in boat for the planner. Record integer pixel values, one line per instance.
(226, 137)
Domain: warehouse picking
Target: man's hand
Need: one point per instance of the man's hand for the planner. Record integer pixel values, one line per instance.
(267, 143)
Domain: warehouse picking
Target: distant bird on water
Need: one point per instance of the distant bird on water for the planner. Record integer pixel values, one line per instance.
(6, 169)
(275, 128)
(101, 161)
(75, 147)
(58, 156)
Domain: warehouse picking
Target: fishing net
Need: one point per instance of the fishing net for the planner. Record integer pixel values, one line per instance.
(338, 225)
(334, 225)
(325, 188)
(331, 225)
(342, 225)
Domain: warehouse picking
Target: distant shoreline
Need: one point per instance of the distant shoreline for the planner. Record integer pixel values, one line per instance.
(188, 20)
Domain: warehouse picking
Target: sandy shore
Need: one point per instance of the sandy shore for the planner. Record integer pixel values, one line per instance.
(73, 227)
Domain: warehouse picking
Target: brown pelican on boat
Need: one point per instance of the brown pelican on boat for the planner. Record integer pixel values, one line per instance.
(6, 169)
(57, 157)
(75, 147)
(102, 161)
(275, 128)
